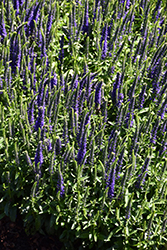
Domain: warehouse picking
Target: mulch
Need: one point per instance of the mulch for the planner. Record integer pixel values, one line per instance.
(13, 236)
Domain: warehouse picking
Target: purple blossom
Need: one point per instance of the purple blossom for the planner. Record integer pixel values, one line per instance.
(154, 74)
(112, 134)
(53, 80)
(21, 2)
(132, 17)
(157, 10)
(16, 6)
(98, 94)
(41, 97)
(35, 16)
(85, 27)
(49, 145)
(127, 3)
(65, 132)
(60, 184)
(104, 111)
(31, 113)
(142, 176)
(120, 161)
(141, 96)
(49, 23)
(120, 100)
(1, 85)
(15, 53)
(88, 87)
(39, 35)
(75, 105)
(116, 89)
(82, 149)
(97, 7)
(137, 51)
(130, 114)
(132, 89)
(40, 119)
(88, 116)
(154, 131)
(28, 18)
(163, 110)
(43, 50)
(164, 126)
(58, 146)
(111, 183)
(3, 32)
(112, 143)
(119, 116)
(104, 50)
(61, 54)
(39, 157)
(163, 147)
(75, 82)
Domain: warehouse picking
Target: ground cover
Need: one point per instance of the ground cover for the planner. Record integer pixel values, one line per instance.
(83, 115)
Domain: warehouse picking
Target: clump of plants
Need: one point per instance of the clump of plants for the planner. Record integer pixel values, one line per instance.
(83, 116)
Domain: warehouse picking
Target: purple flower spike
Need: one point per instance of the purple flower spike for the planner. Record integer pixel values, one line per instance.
(162, 110)
(39, 157)
(120, 161)
(16, 6)
(116, 89)
(60, 184)
(141, 178)
(58, 146)
(111, 183)
(104, 51)
(31, 113)
(141, 96)
(85, 27)
(53, 80)
(34, 17)
(49, 23)
(61, 54)
(3, 32)
(82, 150)
(40, 120)
(98, 94)
(154, 132)
(21, 2)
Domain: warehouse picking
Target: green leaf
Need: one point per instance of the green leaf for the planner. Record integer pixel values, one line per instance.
(101, 237)
(63, 234)
(84, 235)
(1, 142)
(126, 197)
(6, 209)
(52, 220)
(116, 230)
(94, 235)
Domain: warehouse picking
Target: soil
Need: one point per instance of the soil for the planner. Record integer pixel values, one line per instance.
(13, 236)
